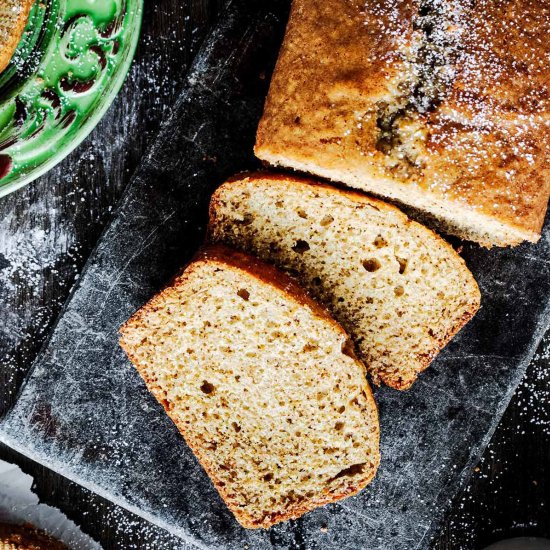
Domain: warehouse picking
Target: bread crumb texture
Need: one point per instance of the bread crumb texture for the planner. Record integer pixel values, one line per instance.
(443, 105)
(262, 384)
(400, 290)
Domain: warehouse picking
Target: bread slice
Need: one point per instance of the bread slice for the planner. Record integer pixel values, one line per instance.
(263, 385)
(13, 19)
(400, 290)
(443, 106)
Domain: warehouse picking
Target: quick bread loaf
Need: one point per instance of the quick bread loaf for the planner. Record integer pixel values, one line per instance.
(441, 105)
(262, 383)
(398, 289)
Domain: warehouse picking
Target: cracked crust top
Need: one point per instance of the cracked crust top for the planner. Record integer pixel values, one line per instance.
(440, 104)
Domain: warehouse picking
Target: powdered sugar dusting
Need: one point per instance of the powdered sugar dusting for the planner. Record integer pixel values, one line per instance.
(480, 513)
(467, 110)
(28, 251)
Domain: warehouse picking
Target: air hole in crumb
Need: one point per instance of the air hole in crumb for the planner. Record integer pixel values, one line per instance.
(247, 220)
(236, 427)
(380, 242)
(338, 426)
(372, 265)
(302, 213)
(268, 477)
(347, 348)
(402, 265)
(399, 291)
(354, 470)
(207, 387)
(279, 204)
(316, 281)
(326, 220)
(301, 246)
(310, 346)
(342, 409)
(244, 294)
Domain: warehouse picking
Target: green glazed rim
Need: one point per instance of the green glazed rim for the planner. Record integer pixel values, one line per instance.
(67, 70)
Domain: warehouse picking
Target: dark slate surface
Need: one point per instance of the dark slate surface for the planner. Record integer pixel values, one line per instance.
(86, 413)
(49, 228)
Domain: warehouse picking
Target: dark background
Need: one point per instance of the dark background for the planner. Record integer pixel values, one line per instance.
(508, 494)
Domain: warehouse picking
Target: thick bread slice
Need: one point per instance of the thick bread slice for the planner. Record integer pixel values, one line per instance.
(263, 385)
(441, 105)
(400, 290)
(13, 18)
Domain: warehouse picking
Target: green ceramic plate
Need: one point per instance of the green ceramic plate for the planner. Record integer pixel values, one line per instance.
(70, 65)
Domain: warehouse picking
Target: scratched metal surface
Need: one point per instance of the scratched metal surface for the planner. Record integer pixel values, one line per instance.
(86, 413)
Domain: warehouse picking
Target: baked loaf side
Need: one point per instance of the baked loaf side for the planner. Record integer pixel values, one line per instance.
(13, 18)
(262, 384)
(400, 290)
(441, 105)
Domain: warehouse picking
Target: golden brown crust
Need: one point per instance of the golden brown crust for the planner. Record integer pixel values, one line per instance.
(12, 25)
(486, 146)
(240, 260)
(26, 537)
(268, 274)
(470, 282)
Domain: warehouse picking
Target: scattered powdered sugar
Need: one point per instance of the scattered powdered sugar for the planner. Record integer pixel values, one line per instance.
(32, 251)
(469, 78)
(48, 229)
(480, 510)
(35, 243)
(27, 251)
(533, 395)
